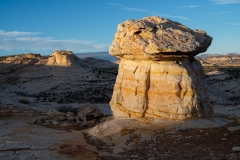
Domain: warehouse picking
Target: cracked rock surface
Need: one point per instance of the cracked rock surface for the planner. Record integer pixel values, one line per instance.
(158, 75)
(155, 38)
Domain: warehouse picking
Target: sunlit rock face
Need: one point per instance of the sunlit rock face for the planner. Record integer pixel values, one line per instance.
(158, 75)
(155, 38)
(65, 59)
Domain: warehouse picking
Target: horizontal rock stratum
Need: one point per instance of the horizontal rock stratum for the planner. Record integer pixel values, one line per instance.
(158, 75)
(155, 38)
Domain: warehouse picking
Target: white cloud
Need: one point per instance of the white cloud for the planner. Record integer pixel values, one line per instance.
(145, 10)
(114, 4)
(101, 46)
(225, 1)
(192, 6)
(135, 9)
(219, 13)
(179, 17)
(16, 33)
(233, 24)
(26, 40)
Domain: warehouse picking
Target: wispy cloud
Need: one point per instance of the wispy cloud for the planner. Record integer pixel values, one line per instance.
(179, 17)
(129, 8)
(114, 4)
(225, 1)
(192, 6)
(16, 33)
(219, 13)
(145, 10)
(233, 24)
(26, 40)
(135, 9)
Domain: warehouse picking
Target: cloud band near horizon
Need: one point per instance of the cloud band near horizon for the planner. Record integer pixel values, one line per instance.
(16, 40)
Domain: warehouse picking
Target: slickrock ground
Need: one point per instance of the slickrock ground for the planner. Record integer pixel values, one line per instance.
(20, 139)
(58, 78)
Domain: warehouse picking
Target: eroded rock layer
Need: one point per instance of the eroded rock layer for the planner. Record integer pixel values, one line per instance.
(155, 38)
(158, 75)
(161, 89)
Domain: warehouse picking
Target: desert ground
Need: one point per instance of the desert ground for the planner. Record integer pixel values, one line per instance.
(58, 109)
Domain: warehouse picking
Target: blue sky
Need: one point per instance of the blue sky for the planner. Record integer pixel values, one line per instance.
(42, 26)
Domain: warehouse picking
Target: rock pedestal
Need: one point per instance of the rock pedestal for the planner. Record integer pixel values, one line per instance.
(158, 75)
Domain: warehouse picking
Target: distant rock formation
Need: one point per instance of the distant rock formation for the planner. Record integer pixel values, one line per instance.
(158, 75)
(228, 60)
(65, 59)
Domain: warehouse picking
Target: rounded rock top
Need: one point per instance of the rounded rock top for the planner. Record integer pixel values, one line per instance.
(155, 38)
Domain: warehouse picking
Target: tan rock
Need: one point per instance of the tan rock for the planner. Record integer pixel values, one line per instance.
(161, 89)
(65, 59)
(155, 38)
(158, 75)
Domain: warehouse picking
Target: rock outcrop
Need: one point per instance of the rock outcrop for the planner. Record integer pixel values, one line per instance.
(158, 75)
(155, 38)
(65, 59)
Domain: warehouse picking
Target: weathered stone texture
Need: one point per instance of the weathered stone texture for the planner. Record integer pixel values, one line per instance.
(163, 89)
(155, 38)
(158, 75)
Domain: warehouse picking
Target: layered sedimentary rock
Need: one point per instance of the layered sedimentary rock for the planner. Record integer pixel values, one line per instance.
(158, 75)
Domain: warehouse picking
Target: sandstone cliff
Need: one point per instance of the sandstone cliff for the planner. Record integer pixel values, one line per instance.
(158, 76)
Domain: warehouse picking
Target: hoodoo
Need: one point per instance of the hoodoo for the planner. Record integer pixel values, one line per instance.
(158, 75)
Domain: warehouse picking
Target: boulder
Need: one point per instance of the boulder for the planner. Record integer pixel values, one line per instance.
(88, 112)
(158, 75)
(155, 38)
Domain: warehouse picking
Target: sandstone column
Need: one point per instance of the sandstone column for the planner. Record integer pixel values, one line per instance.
(158, 75)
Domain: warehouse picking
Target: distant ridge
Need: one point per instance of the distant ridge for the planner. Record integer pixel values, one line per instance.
(98, 55)
(217, 55)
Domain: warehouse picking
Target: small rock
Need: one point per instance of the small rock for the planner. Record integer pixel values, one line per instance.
(234, 129)
(89, 110)
(236, 149)
(82, 116)
(201, 131)
(69, 114)
(130, 145)
(40, 121)
(71, 119)
(55, 114)
(77, 121)
(55, 122)
(60, 119)
(92, 121)
(224, 139)
(225, 134)
(32, 122)
(64, 124)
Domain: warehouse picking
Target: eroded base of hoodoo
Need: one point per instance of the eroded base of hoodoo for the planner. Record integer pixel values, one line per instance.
(161, 89)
